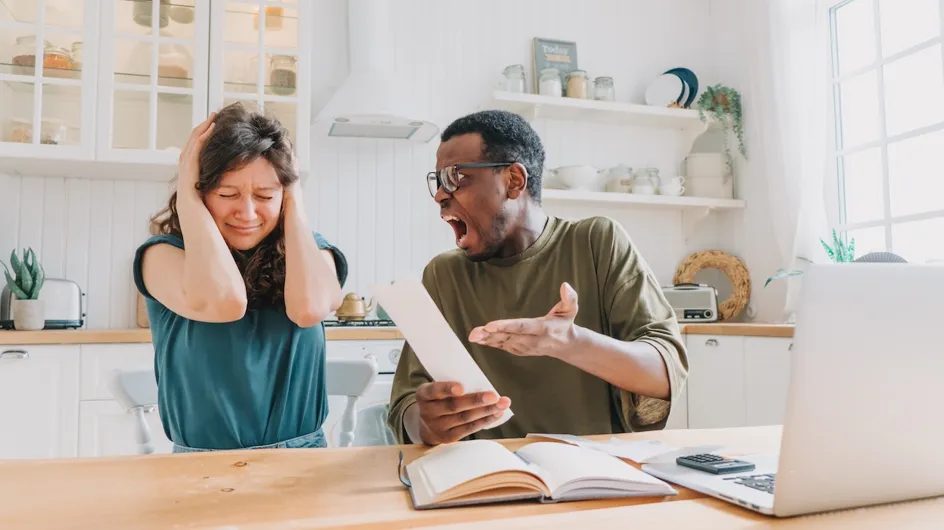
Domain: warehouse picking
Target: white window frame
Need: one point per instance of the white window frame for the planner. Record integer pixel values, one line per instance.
(836, 193)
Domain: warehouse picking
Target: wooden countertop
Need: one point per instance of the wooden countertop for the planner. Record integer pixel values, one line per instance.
(142, 335)
(349, 488)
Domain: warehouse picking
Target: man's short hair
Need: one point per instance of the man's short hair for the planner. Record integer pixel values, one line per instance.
(507, 137)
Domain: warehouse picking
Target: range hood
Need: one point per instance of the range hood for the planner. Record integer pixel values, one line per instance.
(373, 102)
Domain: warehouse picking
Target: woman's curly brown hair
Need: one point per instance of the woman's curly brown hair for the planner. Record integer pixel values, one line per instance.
(240, 137)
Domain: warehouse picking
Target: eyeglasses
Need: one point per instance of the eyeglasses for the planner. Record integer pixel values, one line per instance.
(448, 177)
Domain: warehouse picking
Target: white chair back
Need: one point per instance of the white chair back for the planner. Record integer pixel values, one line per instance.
(351, 378)
(136, 392)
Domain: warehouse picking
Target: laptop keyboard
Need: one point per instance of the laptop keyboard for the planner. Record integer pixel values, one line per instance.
(763, 482)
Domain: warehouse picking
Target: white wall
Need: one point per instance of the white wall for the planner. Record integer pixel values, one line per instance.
(369, 197)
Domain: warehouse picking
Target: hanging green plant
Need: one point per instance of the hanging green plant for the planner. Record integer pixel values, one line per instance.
(724, 105)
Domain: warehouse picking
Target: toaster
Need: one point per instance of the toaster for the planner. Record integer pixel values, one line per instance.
(63, 304)
(693, 302)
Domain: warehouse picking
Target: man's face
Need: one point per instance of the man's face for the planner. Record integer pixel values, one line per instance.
(476, 210)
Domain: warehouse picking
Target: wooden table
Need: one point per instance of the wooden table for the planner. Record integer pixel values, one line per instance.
(328, 488)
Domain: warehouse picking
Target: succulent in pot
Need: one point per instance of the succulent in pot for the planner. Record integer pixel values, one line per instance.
(25, 277)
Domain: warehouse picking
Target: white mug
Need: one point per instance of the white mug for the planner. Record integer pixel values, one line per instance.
(674, 186)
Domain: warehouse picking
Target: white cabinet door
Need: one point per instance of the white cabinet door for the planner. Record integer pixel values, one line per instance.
(39, 401)
(716, 382)
(105, 429)
(766, 376)
(261, 57)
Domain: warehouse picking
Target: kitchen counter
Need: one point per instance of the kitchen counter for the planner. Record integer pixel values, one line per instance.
(143, 335)
(359, 488)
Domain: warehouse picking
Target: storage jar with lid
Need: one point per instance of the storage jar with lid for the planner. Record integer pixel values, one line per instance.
(24, 54)
(514, 78)
(143, 9)
(578, 84)
(283, 74)
(57, 62)
(603, 89)
(77, 55)
(550, 82)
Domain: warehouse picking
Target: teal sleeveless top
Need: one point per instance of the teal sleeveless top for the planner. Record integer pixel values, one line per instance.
(256, 381)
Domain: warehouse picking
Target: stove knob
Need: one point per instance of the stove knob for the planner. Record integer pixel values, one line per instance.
(394, 355)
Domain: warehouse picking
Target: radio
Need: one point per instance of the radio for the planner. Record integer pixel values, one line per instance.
(693, 302)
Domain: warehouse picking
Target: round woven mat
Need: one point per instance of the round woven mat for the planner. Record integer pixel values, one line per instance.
(731, 266)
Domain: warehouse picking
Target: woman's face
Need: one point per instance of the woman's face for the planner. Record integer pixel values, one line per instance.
(246, 204)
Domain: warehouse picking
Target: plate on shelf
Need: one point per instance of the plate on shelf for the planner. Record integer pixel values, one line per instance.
(664, 90)
(690, 80)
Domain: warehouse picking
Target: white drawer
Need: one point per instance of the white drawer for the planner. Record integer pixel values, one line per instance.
(98, 360)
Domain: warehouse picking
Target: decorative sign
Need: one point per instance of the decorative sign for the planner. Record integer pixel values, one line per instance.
(549, 53)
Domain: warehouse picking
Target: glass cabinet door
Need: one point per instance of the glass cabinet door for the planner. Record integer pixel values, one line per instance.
(153, 84)
(47, 89)
(258, 57)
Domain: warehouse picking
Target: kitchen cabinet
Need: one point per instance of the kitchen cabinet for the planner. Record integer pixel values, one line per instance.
(716, 381)
(737, 381)
(123, 82)
(39, 401)
(766, 379)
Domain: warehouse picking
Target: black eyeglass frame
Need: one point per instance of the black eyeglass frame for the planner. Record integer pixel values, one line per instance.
(437, 179)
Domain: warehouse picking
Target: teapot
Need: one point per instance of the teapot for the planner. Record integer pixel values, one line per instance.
(353, 307)
(578, 177)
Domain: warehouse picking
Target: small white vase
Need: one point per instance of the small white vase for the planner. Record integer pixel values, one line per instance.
(29, 315)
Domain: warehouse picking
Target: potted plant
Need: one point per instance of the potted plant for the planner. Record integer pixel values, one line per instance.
(25, 282)
(838, 252)
(724, 105)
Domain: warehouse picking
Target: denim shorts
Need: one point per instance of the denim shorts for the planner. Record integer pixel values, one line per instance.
(311, 440)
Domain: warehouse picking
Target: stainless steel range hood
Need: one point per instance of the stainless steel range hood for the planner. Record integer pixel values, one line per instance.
(373, 102)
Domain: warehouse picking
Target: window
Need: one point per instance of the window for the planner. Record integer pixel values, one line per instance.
(888, 106)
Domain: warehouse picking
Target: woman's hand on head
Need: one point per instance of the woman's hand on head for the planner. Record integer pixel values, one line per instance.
(188, 165)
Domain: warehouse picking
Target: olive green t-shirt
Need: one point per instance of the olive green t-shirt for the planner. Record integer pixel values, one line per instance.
(618, 296)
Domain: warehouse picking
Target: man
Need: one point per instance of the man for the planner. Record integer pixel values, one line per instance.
(510, 292)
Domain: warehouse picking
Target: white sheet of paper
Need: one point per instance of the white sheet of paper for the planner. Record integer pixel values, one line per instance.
(429, 335)
(640, 451)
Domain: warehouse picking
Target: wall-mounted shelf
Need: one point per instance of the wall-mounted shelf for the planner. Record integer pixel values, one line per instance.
(693, 209)
(534, 106)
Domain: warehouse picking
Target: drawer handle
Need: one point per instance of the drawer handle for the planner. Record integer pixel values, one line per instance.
(14, 354)
(711, 342)
(790, 347)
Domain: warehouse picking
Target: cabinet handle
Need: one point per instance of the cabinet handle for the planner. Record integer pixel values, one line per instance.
(14, 354)
(711, 342)
(790, 347)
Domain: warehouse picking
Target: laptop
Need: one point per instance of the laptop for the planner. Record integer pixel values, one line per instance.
(863, 422)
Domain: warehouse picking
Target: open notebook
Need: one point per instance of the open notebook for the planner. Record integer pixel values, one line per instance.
(484, 471)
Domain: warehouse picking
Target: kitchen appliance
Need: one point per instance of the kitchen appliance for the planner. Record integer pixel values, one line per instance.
(693, 302)
(64, 305)
(354, 307)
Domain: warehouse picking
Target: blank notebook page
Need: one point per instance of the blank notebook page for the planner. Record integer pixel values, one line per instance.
(447, 466)
(564, 463)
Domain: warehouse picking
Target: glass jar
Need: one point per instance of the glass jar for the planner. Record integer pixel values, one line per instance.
(514, 78)
(578, 84)
(77, 55)
(603, 89)
(24, 54)
(550, 82)
(283, 74)
(57, 62)
(143, 9)
(274, 16)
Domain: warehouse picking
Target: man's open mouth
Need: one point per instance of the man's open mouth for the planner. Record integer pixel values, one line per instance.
(458, 226)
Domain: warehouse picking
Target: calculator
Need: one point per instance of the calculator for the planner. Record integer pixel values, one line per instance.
(715, 464)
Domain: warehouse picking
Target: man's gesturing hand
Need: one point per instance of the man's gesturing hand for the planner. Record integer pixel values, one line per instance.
(553, 334)
(447, 415)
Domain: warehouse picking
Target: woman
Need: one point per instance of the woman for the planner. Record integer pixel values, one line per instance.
(236, 289)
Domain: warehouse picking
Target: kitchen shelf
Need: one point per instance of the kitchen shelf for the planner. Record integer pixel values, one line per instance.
(534, 106)
(693, 209)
